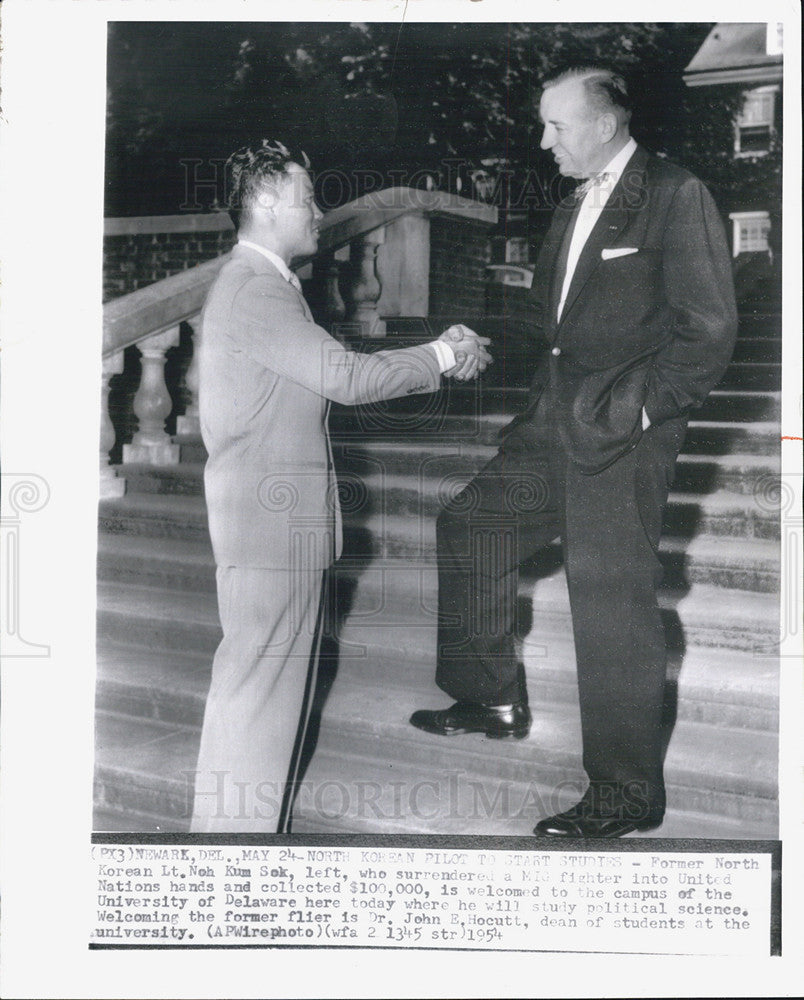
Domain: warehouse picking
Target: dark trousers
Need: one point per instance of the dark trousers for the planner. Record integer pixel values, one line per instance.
(609, 525)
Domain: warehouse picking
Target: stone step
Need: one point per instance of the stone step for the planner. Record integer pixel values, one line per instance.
(722, 650)
(723, 512)
(176, 562)
(408, 804)
(159, 685)
(710, 437)
(703, 436)
(745, 405)
(156, 516)
(481, 424)
(404, 592)
(157, 619)
(721, 404)
(758, 350)
(752, 375)
(146, 767)
(446, 463)
(396, 640)
(760, 324)
(713, 437)
(749, 563)
(140, 792)
(143, 772)
(734, 771)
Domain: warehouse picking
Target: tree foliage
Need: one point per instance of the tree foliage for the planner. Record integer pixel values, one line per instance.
(379, 103)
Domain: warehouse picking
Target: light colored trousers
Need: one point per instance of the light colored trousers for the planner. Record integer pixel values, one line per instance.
(258, 705)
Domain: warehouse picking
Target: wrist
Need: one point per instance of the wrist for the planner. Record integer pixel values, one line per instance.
(444, 354)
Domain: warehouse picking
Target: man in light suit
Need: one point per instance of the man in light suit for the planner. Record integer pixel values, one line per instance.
(267, 374)
(634, 292)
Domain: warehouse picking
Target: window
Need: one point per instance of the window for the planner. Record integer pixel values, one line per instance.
(516, 250)
(750, 233)
(755, 122)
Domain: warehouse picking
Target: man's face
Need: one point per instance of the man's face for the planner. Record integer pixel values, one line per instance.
(572, 130)
(296, 214)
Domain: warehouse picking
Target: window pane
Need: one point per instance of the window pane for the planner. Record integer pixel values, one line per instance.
(755, 139)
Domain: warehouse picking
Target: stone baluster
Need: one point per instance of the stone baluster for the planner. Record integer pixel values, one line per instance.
(151, 444)
(334, 304)
(110, 484)
(365, 288)
(190, 422)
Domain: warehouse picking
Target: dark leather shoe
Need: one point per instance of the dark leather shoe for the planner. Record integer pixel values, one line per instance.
(581, 824)
(465, 717)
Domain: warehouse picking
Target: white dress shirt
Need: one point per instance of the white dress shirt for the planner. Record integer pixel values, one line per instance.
(589, 212)
(444, 353)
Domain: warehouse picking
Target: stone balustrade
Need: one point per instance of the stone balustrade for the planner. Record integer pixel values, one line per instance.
(374, 261)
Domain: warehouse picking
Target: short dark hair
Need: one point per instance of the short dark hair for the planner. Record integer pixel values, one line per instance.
(605, 89)
(250, 168)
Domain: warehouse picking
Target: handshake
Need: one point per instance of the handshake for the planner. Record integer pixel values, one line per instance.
(470, 352)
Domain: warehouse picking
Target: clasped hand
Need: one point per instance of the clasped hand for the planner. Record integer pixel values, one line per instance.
(470, 352)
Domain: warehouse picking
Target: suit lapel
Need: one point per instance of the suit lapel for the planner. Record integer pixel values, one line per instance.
(625, 199)
(548, 259)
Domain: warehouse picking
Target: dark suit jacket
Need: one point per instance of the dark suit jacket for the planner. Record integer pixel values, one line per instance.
(650, 317)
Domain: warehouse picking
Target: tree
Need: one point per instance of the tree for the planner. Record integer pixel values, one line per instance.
(372, 104)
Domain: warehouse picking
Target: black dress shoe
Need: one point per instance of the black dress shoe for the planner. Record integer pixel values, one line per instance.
(580, 823)
(466, 717)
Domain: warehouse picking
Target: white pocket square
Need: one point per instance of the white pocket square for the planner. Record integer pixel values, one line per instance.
(609, 253)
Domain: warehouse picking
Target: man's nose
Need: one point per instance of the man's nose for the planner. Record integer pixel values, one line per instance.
(317, 213)
(548, 139)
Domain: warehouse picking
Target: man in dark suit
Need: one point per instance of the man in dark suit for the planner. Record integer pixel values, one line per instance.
(267, 374)
(634, 290)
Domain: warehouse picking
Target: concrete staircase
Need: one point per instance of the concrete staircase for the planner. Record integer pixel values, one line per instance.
(371, 772)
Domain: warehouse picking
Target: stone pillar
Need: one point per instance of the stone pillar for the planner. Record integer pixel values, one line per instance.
(190, 422)
(151, 444)
(403, 263)
(364, 286)
(327, 273)
(110, 484)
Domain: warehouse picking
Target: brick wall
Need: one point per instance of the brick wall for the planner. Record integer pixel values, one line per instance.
(511, 302)
(133, 260)
(459, 253)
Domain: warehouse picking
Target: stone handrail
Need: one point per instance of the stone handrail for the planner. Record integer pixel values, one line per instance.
(151, 317)
(157, 307)
(164, 304)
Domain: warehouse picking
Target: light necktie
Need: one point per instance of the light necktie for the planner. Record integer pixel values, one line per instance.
(293, 279)
(583, 190)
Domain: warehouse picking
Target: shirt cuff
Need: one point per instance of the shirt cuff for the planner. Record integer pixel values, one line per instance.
(445, 355)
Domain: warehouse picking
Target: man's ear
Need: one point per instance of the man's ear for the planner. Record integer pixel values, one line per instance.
(607, 125)
(268, 198)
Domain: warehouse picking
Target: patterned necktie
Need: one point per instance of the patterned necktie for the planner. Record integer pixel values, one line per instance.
(583, 190)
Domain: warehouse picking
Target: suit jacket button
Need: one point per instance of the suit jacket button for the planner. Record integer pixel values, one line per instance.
(556, 351)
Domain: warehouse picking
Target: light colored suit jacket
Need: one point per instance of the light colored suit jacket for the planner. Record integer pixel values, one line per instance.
(267, 372)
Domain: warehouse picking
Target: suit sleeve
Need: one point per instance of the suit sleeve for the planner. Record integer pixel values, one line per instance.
(269, 325)
(699, 289)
